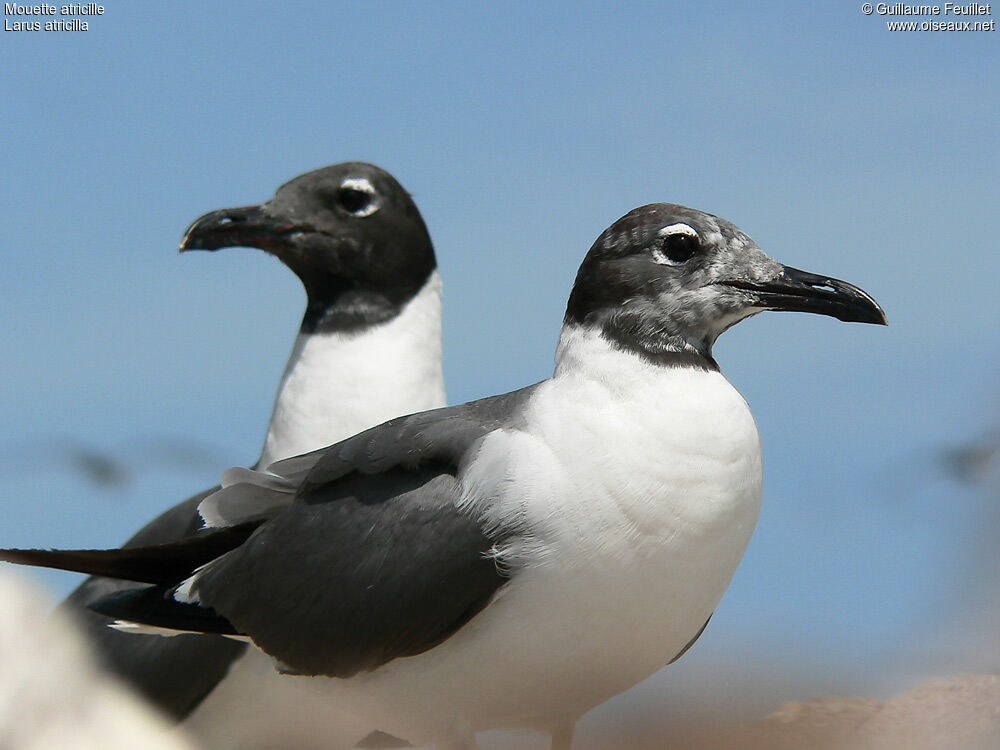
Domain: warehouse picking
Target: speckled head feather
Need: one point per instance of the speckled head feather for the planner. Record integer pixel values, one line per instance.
(665, 281)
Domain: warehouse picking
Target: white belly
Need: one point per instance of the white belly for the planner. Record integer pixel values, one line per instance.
(635, 550)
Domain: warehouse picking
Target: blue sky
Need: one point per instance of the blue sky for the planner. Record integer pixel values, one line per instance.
(522, 130)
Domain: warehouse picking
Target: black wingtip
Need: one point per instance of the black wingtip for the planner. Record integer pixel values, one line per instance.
(164, 564)
(90, 561)
(156, 606)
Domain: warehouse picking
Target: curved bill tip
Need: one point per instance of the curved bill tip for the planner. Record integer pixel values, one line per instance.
(878, 316)
(227, 227)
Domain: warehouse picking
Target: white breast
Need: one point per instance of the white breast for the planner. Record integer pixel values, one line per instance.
(653, 457)
(336, 385)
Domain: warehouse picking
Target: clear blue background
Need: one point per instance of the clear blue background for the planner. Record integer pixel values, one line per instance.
(523, 129)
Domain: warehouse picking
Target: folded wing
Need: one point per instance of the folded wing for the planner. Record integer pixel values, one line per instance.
(365, 552)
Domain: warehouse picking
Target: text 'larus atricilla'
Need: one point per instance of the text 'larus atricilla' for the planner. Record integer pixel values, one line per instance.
(513, 561)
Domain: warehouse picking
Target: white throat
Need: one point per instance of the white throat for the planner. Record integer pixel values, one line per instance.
(336, 385)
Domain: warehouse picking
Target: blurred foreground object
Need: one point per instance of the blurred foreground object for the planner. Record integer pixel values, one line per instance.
(51, 693)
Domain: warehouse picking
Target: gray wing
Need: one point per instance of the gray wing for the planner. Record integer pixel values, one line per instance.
(358, 573)
(374, 558)
(440, 435)
(175, 674)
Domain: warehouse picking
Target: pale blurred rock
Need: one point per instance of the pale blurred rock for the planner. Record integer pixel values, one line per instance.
(960, 713)
(52, 696)
(830, 722)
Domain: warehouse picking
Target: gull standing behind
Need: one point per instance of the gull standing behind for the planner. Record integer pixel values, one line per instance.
(368, 349)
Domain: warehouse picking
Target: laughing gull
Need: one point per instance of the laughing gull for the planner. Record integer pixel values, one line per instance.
(369, 349)
(513, 561)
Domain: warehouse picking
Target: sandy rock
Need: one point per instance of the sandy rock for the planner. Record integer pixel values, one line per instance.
(956, 713)
(960, 713)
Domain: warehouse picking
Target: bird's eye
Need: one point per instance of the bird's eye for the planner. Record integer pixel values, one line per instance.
(354, 201)
(678, 248)
(356, 196)
(679, 243)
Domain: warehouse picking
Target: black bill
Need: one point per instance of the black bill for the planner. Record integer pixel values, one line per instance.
(248, 226)
(801, 291)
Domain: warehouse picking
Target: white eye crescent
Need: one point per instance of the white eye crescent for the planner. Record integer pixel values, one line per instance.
(357, 196)
(678, 243)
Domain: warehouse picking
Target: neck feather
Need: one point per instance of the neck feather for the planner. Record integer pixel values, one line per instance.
(337, 384)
